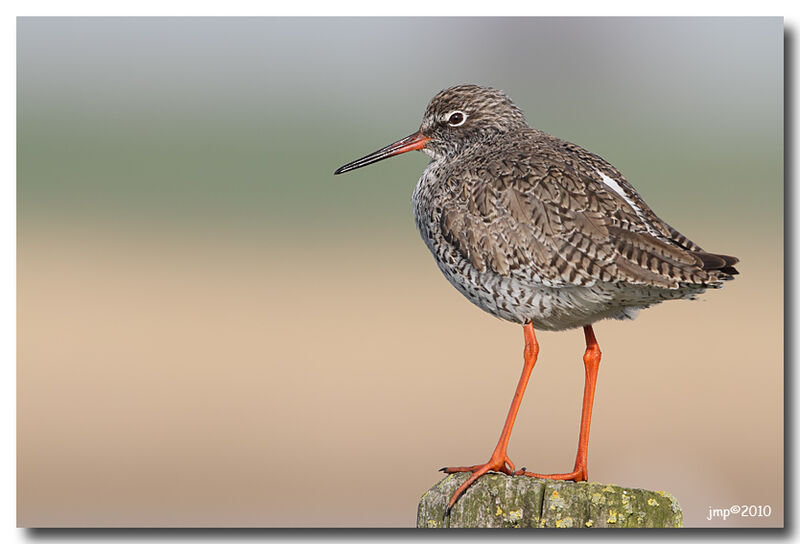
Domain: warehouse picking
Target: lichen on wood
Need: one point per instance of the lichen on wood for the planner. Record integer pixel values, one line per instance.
(498, 500)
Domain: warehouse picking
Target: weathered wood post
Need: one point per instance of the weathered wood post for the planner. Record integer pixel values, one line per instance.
(497, 500)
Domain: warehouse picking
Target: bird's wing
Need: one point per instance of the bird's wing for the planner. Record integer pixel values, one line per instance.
(606, 171)
(546, 215)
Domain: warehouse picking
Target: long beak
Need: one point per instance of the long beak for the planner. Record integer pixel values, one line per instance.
(409, 143)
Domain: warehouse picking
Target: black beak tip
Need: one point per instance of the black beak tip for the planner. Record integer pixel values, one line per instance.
(355, 165)
(413, 142)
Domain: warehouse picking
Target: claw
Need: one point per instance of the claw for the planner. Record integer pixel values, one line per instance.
(446, 514)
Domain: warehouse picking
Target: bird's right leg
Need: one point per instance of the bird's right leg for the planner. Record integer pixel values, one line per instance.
(499, 461)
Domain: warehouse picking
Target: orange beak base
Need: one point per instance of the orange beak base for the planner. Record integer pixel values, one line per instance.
(413, 142)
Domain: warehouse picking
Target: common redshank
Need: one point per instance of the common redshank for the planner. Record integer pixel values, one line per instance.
(538, 231)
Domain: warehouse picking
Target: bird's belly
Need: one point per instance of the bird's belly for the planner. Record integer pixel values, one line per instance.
(553, 308)
(508, 298)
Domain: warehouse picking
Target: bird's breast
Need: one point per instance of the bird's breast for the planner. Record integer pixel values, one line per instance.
(424, 199)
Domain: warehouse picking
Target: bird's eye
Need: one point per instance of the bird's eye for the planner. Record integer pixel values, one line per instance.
(456, 118)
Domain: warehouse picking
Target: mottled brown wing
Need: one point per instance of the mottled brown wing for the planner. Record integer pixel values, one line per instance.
(598, 163)
(716, 267)
(556, 224)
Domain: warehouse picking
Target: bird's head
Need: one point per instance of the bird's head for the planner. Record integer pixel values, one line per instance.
(454, 119)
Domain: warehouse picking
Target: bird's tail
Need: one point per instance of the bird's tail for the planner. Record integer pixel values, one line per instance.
(713, 262)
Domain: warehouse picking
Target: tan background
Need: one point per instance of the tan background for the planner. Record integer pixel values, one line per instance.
(214, 331)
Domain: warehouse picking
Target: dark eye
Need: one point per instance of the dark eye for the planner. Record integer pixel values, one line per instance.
(456, 118)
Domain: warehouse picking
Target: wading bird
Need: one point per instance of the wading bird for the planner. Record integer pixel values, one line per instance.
(538, 231)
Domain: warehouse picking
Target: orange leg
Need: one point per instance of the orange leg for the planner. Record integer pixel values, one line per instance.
(591, 361)
(499, 462)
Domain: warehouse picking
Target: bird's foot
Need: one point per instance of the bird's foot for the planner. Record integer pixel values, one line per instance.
(498, 463)
(578, 475)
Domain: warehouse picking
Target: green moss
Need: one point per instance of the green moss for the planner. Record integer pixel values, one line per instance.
(497, 500)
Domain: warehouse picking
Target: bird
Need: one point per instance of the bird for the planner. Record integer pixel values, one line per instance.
(540, 232)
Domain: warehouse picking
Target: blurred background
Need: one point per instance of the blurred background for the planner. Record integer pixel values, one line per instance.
(215, 331)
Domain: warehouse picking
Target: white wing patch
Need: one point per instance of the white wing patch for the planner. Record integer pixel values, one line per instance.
(612, 184)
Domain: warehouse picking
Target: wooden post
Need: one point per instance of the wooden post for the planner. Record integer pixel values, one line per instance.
(497, 500)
